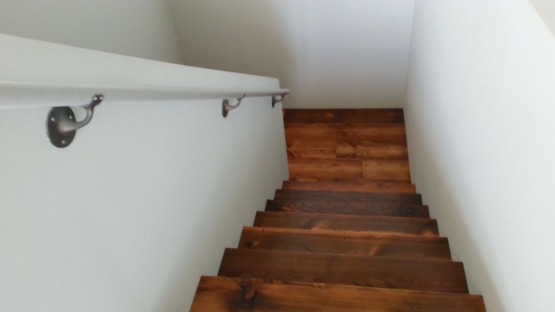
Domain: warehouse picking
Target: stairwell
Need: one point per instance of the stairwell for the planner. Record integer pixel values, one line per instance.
(347, 232)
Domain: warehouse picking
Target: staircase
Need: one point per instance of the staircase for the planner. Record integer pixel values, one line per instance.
(347, 232)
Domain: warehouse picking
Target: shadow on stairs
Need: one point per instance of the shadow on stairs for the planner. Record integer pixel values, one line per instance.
(347, 232)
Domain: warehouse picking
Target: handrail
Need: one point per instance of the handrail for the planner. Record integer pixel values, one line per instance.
(14, 95)
(43, 74)
(61, 121)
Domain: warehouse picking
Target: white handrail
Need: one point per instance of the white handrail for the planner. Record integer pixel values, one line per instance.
(42, 74)
(37, 74)
(25, 94)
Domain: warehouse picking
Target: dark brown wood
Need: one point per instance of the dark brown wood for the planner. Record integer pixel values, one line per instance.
(384, 133)
(348, 217)
(317, 221)
(445, 276)
(333, 148)
(325, 168)
(350, 207)
(311, 153)
(343, 115)
(224, 294)
(346, 242)
(349, 196)
(363, 186)
(370, 150)
(313, 149)
(397, 170)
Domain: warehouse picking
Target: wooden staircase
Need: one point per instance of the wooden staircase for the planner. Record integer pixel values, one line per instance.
(347, 232)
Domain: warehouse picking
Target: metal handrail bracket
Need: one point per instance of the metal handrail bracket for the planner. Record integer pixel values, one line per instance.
(276, 98)
(62, 126)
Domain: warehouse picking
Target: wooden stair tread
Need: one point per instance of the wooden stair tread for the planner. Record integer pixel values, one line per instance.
(337, 148)
(370, 169)
(433, 275)
(351, 207)
(348, 196)
(357, 185)
(325, 168)
(343, 116)
(308, 221)
(370, 150)
(393, 169)
(390, 133)
(346, 242)
(225, 294)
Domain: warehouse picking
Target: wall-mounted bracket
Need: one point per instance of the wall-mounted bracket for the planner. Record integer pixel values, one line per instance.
(62, 126)
(226, 107)
(279, 98)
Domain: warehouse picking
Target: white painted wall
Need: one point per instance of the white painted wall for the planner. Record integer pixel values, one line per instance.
(350, 53)
(481, 138)
(141, 28)
(145, 199)
(546, 9)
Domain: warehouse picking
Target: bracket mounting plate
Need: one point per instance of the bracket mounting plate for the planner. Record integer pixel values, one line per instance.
(58, 137)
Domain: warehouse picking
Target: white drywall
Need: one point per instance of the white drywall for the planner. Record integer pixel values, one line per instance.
(546, 9)
(38, 73)
(144, 200)
(141, 28)
(351, 53)
(482, 143)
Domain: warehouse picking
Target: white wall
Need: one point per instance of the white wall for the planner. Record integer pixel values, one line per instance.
(141, 28)
(546, 9)
(350, 53)
(143, 201)
(481, 139)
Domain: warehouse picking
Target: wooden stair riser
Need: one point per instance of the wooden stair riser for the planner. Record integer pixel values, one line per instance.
(349, 168)
(314, 221)
(333, 148)
(445, 276)
(364, 116)
(371, 150)
(346, 242)
(387, 133)
(352, 208)
(224, 294)
(358, 186)
(348, 197)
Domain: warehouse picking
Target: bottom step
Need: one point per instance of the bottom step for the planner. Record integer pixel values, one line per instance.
(230, 294)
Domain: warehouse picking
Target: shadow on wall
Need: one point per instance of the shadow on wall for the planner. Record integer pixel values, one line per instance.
(330, 54)
(226, 35)
(218, 229)
(448, 209)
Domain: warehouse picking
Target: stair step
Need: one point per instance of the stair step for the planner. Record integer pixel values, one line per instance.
(349, 168)
(357, 185)
(317, 221)
(385, 133)
(343, 116)
(333, 148)
(314, 149)
(325, 168)
(352, 208)
(432, 275)
(370, 150)
(225, 294)
(349, 196)
(346, 242)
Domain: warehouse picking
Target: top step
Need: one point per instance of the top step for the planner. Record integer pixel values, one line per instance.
(344, 116)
